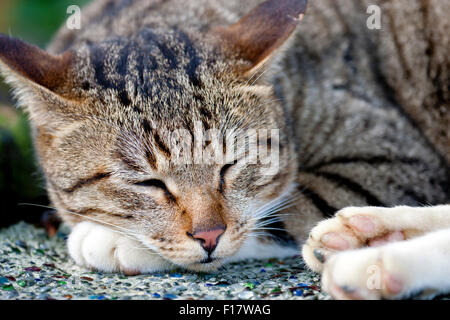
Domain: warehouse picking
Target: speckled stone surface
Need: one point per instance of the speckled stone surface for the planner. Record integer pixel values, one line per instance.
(34, 266)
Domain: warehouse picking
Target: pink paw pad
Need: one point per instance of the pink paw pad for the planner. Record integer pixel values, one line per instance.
(393, 284)
(363, 224)
(335, 241)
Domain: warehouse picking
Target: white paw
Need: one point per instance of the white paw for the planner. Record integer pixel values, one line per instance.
(97, 247)
(352, 228)
(369, 274)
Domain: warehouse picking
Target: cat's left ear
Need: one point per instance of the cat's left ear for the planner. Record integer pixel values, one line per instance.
(26, 65)
(257, 36)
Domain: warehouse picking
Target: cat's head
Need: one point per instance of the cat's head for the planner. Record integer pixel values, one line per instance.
(170, 137)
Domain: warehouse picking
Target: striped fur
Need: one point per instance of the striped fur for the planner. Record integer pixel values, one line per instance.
(363, 118)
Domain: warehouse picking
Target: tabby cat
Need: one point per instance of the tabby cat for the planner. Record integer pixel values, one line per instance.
(358, 119)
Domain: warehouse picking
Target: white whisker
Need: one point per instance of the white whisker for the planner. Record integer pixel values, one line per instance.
(268, 228)
(126, 231)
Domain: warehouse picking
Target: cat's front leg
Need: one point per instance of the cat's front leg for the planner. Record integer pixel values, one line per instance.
(357, 227)
(420, 266)
(97, 247)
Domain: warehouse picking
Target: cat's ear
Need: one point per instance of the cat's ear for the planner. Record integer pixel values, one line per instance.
(43, 82)
(257, 36)
(26, 65)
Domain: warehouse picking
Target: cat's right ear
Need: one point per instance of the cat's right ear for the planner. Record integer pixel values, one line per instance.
(259, 35)
(26, 66)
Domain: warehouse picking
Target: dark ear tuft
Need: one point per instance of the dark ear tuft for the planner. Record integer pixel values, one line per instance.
(264, 29)
(47, 70)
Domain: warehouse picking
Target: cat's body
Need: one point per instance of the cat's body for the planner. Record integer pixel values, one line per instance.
(363, 117)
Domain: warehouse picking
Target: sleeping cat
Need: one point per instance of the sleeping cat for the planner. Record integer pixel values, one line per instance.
(360, 123)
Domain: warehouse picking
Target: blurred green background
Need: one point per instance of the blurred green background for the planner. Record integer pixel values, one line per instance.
(34, 21)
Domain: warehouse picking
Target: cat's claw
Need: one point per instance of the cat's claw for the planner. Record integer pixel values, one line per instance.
(96, 247)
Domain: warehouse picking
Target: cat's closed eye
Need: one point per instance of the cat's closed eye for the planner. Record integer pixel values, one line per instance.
(222, 174)
(156, 183)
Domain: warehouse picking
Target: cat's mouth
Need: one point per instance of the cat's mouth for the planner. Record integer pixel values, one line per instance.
(208, 260)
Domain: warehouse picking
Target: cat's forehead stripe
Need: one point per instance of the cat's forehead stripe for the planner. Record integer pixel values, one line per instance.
(150, 62)
(158, 142)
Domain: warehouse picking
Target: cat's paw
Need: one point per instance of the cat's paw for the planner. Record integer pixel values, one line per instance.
(372, 274)
(352, 228)
(362, 274)
(99, 248)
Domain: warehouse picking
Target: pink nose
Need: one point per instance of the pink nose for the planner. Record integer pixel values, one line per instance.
(209, 238)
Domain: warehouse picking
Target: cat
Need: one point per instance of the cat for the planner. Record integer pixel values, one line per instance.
(361, 133)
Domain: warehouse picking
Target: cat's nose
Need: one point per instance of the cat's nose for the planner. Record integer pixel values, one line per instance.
(209, 238)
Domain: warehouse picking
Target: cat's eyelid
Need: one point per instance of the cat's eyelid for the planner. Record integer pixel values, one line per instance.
(157, 183)
(222, 173)
(227, 166)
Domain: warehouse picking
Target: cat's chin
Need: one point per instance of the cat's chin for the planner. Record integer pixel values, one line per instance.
(204, 266)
